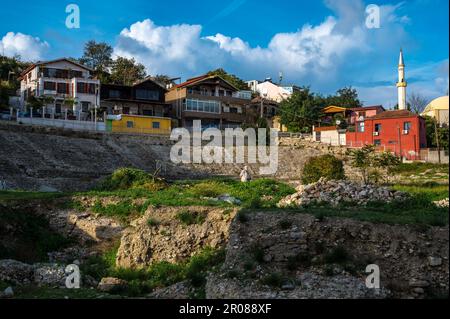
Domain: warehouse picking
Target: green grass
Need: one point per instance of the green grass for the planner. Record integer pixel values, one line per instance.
(202, 193)
(412, 212)
(419, 168)
(123, 210)
(158, 275)
(6, 196)
(27, 237)
(188, 218)
(429, 191)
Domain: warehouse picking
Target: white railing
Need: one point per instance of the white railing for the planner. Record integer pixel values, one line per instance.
(64, 124)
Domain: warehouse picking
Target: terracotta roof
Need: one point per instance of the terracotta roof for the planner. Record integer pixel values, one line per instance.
(368, 108)
(202, 78)
(192, 81)
(325, 128)
(394, 114)
(31, 67)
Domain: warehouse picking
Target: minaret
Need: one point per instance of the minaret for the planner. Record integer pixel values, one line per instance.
(402, 84)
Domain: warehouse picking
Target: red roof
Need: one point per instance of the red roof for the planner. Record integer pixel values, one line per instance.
(201, 78)
(192, 81)
(394, 114)
(368, 108)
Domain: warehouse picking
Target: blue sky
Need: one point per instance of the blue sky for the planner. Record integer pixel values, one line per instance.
(324, 44)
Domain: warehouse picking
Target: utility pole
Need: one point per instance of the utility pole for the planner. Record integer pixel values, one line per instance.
(438, 144)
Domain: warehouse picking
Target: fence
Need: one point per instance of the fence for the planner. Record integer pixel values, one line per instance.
(65, 124)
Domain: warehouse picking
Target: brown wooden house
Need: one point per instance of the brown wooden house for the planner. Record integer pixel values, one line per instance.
(145, 97)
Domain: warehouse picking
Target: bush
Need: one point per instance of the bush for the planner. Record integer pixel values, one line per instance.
(130, 178)
(327, 166)
(187, 218)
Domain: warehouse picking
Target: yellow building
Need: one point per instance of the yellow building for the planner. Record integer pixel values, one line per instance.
(276, 124)
(138, 124)
(438, 109)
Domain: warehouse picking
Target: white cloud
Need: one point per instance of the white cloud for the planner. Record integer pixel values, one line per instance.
(28, 47)
(337, 52)
(180, 48)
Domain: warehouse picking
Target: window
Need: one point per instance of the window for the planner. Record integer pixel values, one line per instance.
(85, 107)
(377, 142)
(202, 106)
(114, 94)
(81, 87)
(62, 88)
(130, 124)
(92, 88)
(49, 86)
(147, 112)
(378, 128)
(156, 125)
(126, 110)
(361, 127)
(143, 94)
(407, 126)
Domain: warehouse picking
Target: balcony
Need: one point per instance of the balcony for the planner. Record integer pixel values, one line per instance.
(241, 95)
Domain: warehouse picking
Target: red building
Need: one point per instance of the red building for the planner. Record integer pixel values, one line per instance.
(401, 132)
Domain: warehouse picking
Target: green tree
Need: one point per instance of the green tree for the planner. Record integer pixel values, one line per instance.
(369, 162)
(127, 71)
(98, 56)
(163, 79)
(442, 134)
(346, 97)
(232, 79)
(327, 166)
(301, 111)
(10, 69)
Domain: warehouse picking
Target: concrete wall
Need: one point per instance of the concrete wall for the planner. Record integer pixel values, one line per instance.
(432, 156)
(32, 157)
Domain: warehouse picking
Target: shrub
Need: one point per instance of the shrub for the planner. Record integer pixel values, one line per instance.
(151, 222)
(257, 253)
(130, 178)
(209, 189)
(337, 256)
(188, 218)
(327, 166)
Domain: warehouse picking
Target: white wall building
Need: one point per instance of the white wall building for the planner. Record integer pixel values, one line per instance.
(63, 80)
(271, 91)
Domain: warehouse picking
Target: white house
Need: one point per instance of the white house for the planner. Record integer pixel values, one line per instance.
(269, 90)
(63, 80)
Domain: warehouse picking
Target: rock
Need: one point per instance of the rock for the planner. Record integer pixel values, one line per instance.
(442, 203)
(229, 199)
(174, 242)
(97, 229)
(180, 290)
(288, 286)
(15, 272)
(8, 293)
(435, 261)
(335, 193)
(419, 291)
(50, 275)
(419, 283)
(112, 285)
